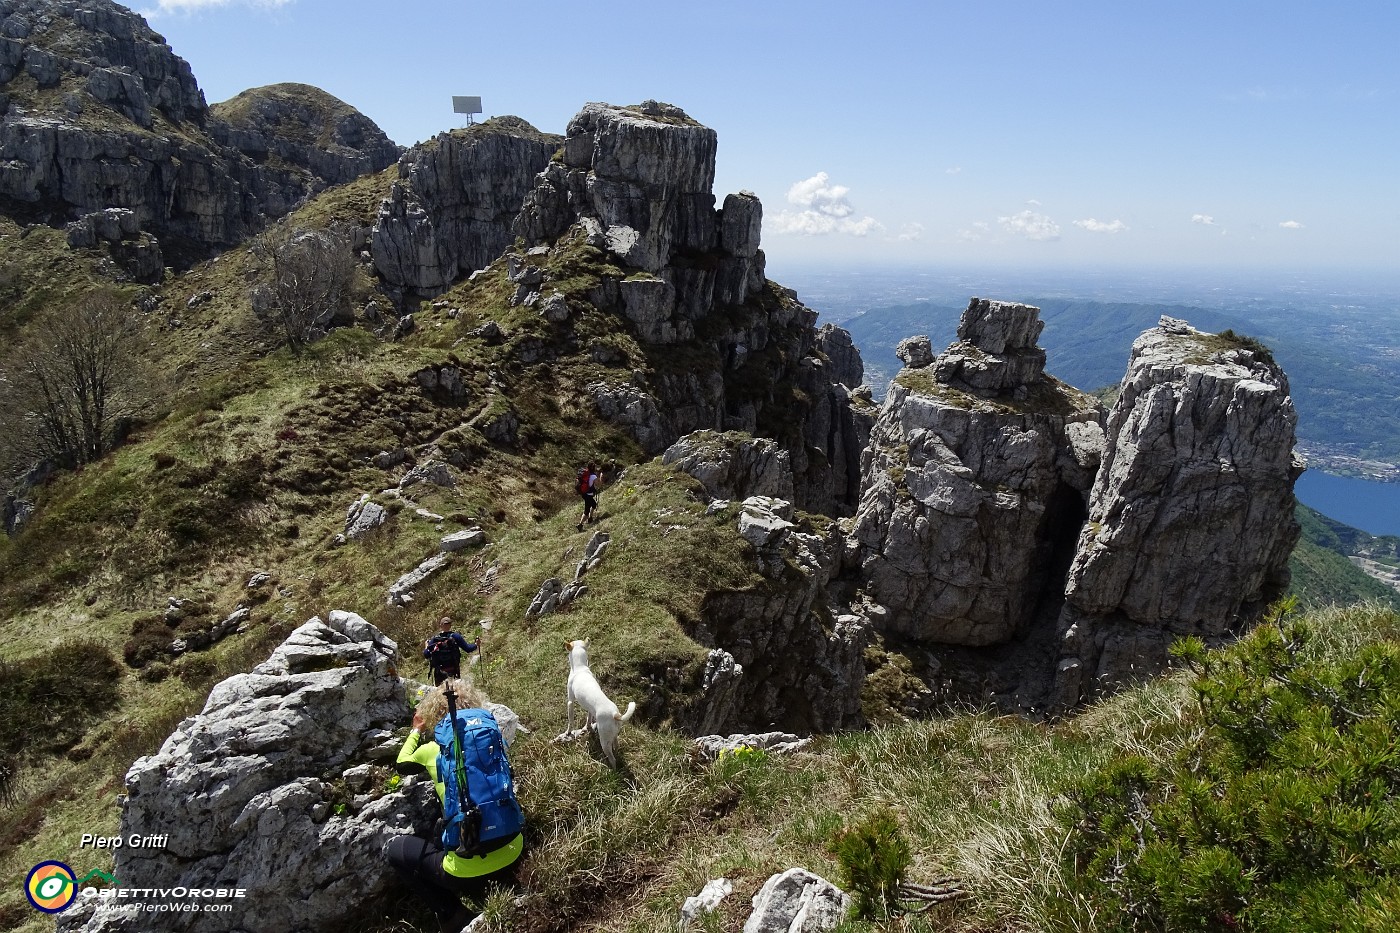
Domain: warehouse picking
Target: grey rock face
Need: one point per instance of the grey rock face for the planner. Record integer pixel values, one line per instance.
(432, 472)
(401, 592)
(741, 223)
(239, 790)
(546, 599)
(470, 537)
(363, 517)
(304, 127)
(634, 408)
(593, 553)
(778, 661)
(968, 491)
(638, 180)
(764, 523)
(733, 466)
(996, 349)
(458, 194)
(118, 229)
(1191, 516)
(645, 177)
(914, 352)
(797, 901)
(846, 366)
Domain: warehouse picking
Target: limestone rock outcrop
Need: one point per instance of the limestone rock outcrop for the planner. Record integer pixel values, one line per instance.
(243, 791)
(100, 113)
(797, 901)
(639, 183)
(1191, 516)
(723, 349)
(1039, 553)
(781, 657)
(974, 480)
(733, 466)
(452, 209)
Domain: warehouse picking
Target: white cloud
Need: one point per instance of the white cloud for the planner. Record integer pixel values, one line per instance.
(912, 231)
(1101, 226)
(825, 210)
(1033, 203)
(975, 233)
(1031, 225)
(189, 6)
(824, 198)
(1203, 219)
(955, 170)
(1291, 225)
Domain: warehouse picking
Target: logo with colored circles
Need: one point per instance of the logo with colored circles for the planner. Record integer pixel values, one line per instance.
(50, 887)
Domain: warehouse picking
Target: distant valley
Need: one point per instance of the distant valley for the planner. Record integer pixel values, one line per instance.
(1340, 348)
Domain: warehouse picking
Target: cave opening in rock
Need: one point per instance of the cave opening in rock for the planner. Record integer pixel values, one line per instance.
(1065, 514)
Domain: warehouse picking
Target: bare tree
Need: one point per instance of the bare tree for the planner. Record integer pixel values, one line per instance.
(68, 391)
(305, 277)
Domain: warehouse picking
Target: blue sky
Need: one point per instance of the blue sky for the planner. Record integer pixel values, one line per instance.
(1082, 134)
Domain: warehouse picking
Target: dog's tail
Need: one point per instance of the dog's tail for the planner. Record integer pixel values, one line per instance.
(631, 708)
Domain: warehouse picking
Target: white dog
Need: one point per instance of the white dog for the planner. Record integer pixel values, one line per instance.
(600, 711)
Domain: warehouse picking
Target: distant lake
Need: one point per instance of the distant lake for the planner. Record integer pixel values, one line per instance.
(1370, 506)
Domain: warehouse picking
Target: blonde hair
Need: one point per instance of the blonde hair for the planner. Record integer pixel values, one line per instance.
(433, 706)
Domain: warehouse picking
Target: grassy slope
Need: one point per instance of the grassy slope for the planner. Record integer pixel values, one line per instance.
(1321, 572)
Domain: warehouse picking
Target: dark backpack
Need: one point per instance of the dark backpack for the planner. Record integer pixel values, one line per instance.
(488, 816)
(585, 484)
(442, 652)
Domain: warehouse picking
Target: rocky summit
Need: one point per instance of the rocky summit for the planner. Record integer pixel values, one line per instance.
(973, 482)
(1191, 515)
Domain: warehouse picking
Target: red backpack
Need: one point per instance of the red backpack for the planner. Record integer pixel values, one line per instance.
(585, 481)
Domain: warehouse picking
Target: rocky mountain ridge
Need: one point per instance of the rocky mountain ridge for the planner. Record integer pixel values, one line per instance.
(987, 534)
(100, 114)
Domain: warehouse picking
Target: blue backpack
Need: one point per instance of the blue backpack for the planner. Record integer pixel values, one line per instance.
(487, 816)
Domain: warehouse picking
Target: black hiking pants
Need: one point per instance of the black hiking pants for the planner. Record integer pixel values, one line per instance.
(444, 673)
(419, 863)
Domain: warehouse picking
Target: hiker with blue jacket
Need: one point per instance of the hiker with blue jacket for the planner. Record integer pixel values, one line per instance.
(481, 849)
(444, 651)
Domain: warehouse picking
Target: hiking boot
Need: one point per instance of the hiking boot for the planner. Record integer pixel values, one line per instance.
(459, 918)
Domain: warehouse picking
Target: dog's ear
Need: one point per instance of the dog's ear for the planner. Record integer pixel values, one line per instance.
(584, 644)
(568, 645)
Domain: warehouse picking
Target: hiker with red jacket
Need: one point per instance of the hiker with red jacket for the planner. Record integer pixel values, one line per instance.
(444, 651)
(590, 483)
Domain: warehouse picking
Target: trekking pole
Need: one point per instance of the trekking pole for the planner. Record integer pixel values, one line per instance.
(470, 828)
(480, 659)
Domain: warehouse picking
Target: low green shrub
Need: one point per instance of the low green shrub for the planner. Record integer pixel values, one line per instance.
(150, 639)
(48, 702)
(874, 855)
(1284, 813)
